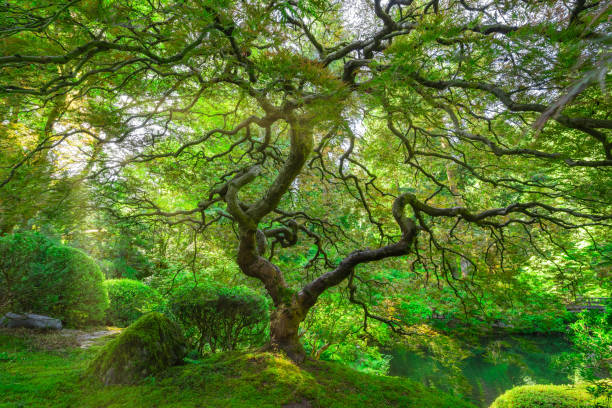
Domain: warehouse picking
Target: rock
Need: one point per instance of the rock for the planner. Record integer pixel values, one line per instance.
(30, 321)
(148, 346)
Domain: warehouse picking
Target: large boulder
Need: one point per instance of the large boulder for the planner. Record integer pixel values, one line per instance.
(150, 345)
(30, 321)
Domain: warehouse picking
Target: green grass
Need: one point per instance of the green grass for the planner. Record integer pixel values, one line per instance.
(33, 377)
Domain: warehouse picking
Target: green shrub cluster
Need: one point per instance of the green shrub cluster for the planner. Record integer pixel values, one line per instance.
(219, 317)
(591, 334)
(40, 276)
(543, 396)
(129, 299)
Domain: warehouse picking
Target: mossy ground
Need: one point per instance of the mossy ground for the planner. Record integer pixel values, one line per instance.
(32, 377)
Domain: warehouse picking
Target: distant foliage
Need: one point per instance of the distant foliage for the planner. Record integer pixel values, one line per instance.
(129, 299)
(592, 338)
(333, 332)
(601, 389)
(17, 252)
(219, 317)
(558, 396)
(40, 276)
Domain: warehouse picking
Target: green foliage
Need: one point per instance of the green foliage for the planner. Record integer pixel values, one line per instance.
(128, 257)
(416, 310)
(147, 347)
(592, 338)
(29, 191)
(333, 332)
(480, 368)
(40, 276)
(220, 317)
(39, 378)
(129, 299)
(545, 396)
(583, 270)
(17, 252)
(541, 321)
(601, 389)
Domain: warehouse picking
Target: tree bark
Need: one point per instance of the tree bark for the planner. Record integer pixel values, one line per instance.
(284, 325)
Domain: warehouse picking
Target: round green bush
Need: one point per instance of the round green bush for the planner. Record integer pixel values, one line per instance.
(129, 299)
(544, 396)
(222, 318)
(40, 276)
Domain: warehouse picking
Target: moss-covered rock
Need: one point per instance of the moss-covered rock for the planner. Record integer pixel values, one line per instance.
(150, 345)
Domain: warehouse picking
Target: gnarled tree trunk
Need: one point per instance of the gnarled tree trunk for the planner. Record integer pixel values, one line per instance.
(284, 325)
(291, 307)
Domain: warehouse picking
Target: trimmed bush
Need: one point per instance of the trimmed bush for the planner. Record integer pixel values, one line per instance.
(129, 299)
(544, 396)
(222, 318)
(149, 346)
(40, 276)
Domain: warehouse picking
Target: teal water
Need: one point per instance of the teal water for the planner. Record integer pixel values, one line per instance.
(493, 365)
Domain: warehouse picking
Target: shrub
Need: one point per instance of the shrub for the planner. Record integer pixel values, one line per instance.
(225, 318)
(40, 276)
(129, 299)
(601, 389)
(150, 345)
(591, 356)
(591, 334)
(544, 396)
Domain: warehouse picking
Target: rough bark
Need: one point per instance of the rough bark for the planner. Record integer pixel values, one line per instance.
(284, 325)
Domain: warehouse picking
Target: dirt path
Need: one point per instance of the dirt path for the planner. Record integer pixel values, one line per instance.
(85, 339)
(62, 339)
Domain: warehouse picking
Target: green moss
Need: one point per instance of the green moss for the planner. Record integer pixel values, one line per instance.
(545, 396)
(150, 345)
(33, 377)
(238, 380)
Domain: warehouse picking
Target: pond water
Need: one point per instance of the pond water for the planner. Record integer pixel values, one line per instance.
(494, 365)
